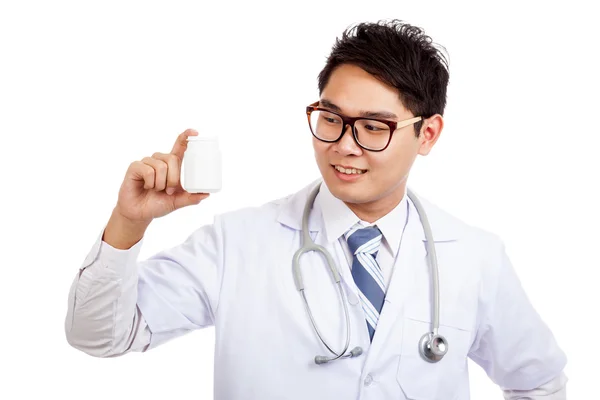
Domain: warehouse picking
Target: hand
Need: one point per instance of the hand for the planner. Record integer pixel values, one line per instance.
(152, 189)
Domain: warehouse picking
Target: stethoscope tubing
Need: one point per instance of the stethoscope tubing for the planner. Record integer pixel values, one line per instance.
(432, 346)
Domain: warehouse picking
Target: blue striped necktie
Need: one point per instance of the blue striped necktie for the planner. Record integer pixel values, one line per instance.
(364, 245)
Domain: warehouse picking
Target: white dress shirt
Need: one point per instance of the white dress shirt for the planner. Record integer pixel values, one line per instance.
(338, 219)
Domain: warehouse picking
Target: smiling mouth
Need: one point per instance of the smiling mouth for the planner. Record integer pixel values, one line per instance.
(349, 170)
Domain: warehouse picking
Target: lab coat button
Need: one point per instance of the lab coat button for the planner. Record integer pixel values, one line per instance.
(368, 380)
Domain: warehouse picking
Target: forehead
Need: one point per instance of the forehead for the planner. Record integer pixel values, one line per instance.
(353, 90)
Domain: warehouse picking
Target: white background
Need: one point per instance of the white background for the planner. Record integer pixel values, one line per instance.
(87, 88)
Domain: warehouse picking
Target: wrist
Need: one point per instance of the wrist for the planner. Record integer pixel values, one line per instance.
(122, 232)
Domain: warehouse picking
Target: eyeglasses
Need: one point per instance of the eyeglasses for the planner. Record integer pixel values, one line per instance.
(369, 134)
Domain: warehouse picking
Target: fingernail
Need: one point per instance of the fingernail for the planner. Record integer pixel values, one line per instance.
(170, 190)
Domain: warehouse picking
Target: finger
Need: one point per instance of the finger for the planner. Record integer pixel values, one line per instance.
(160, 172)
(173, 175)
(142, 172)
(184, 199)
(181, 143)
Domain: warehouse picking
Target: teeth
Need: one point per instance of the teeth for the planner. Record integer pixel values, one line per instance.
(349, 171)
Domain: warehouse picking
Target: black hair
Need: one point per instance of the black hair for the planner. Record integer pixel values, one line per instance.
(400, 55)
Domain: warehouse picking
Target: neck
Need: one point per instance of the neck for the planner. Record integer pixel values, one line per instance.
(374, 210)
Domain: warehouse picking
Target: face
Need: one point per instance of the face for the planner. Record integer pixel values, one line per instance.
(353, 92)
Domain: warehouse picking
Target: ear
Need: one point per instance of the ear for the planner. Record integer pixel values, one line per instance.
(430, 133)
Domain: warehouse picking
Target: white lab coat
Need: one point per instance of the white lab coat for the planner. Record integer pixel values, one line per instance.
(236, 274)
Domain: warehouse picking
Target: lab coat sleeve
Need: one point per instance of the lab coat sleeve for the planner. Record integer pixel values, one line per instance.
(513, 345)
(117, 304)
(556, 389)
(178, 288)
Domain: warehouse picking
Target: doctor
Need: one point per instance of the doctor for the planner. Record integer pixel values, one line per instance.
(382, 97)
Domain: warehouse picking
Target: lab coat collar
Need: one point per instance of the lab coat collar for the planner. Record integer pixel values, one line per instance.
(444, 226)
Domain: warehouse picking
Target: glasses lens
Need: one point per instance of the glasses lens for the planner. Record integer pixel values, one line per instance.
(325, 125)
(371, 134)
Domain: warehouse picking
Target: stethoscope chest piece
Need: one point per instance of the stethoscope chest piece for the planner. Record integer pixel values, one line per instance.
(433, 347)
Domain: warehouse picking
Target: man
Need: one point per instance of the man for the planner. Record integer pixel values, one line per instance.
(382, 97)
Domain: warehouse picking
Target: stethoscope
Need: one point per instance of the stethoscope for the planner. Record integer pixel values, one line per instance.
(432, 345)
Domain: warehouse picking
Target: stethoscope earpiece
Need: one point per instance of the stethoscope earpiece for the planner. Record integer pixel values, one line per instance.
(433, 347)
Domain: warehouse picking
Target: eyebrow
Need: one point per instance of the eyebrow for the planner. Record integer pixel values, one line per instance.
(366, 114)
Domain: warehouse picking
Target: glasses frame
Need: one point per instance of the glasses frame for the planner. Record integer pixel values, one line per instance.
(393, 125)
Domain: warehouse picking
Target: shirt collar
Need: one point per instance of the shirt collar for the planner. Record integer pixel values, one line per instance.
(339, 218)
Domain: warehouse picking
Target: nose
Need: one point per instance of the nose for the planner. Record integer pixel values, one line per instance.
(347, 144)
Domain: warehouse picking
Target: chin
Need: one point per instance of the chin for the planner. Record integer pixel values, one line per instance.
(349, 198)
(354, 193)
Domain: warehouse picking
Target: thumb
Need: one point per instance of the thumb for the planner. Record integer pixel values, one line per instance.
(184, 199)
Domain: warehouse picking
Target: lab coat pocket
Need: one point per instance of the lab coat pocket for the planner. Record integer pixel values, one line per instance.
(423, 380)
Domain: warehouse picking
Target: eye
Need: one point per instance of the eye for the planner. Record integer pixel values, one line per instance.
(330, 118)
(372, 128)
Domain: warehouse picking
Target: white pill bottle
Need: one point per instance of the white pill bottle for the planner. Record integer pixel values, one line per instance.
(202, 167)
